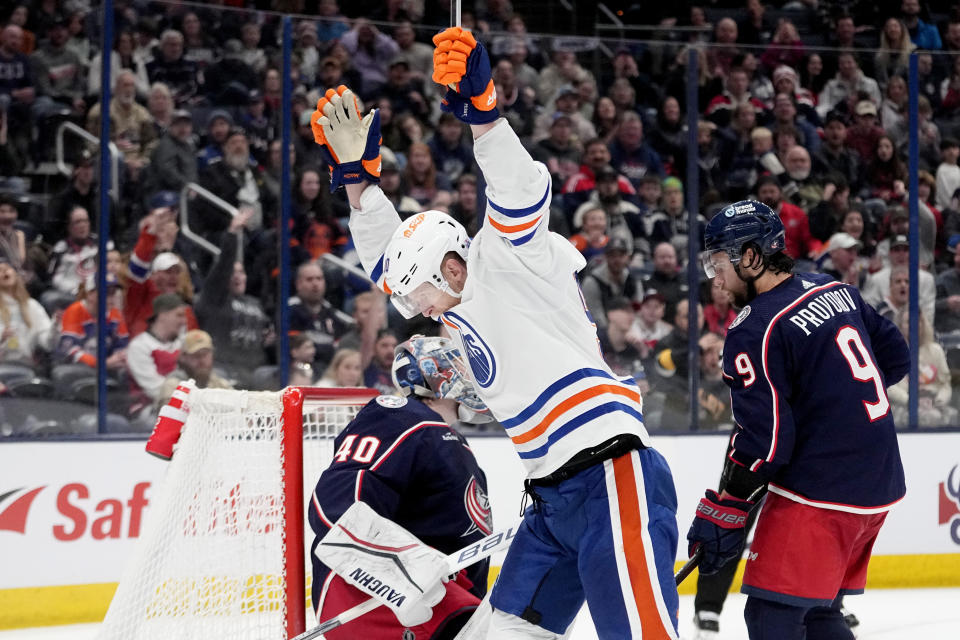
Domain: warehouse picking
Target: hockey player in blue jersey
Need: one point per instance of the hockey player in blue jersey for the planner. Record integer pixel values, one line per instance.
(401, 457)
(602, 526)
(808, 363)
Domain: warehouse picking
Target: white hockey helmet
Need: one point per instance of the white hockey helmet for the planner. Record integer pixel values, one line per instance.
(415, 253)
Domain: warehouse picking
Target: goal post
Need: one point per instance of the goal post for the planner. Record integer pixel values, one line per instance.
(223, 551)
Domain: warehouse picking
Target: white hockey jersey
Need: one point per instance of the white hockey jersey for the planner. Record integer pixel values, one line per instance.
(521, 323)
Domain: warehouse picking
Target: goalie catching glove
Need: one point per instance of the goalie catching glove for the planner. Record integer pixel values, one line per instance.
(462, 64)
(385, 561)
(350, 142)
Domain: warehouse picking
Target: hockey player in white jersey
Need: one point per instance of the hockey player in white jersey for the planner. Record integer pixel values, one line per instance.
(602, 523)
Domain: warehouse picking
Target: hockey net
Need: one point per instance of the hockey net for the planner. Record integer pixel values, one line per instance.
(224, 549)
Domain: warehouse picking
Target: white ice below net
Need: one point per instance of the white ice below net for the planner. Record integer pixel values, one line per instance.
(211, 560)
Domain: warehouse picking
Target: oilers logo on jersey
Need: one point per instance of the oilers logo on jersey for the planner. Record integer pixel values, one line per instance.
(477, 505)
(482, 363)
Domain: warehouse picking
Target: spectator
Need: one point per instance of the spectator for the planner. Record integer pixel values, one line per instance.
(259, 128)
(619, 344)
(422, 179)
(173, 162)
(370, 53)
(344, 370)
(78, 335)
(877, 286)
(74, 259)
(596, 157)
(948, 296)
(592, 238)
(785, 80)
(948, 173)
(566, 102)
(630, 155)
(173, 69)
(666, 277)
(720, 56)
(331, 24)
(81, 192)
(668, 137)
(649, 327)
(153, 355)
(160, 106)
(393, 187)
(229, 80)
(196, 362)
(405, 91)
(16, 84)
(735, 92)
(925, 36)
(844, 33)
(651, 193)
(864, 134)
(825, 218)
(123, 57)
(25, 328)
(465, 209)
(804, 188)
(757, 26)
(785, 113)
(898, 298)
(302, 354)
(239, 183)
(886, 173)
(417, 54)
(219, 123)
(719, 312)
(929, 138)
(671, 223)
(786, 47)
(812, 76)
(516, 103)
(898, 223)
(835, 156)
(608, 280)
(58, 73)
(131, 125)
(713, 396)
(843, 262)
(671, 368)
(558, 151)
(933, 386)
(152, 275)
(378, 374)
(315, 224)
(563, 69)
(13, 243)
(894, 54)
(253, 54)
(844, 90)
(19, 18)
(238, 325)
(313, 315)
(624, 219)
(451, 155)
(893, 111)
(199, 44)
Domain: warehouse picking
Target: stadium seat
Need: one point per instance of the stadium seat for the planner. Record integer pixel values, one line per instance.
(12, 372)
(34, 387)
(64, 375)
(266, 378)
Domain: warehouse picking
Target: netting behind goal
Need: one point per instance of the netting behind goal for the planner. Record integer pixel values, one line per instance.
(223, 550)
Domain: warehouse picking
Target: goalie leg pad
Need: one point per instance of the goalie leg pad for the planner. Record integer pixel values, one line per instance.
(381, 622)
(385, 561)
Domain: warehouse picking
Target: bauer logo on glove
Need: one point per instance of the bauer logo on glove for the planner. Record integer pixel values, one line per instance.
(350, 143)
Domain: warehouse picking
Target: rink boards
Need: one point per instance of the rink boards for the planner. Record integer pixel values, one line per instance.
(70, 513)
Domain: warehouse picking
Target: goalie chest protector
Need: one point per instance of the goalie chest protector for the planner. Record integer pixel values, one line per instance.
(403, 460)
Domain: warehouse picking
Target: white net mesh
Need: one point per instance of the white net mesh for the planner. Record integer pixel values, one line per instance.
(210, 563)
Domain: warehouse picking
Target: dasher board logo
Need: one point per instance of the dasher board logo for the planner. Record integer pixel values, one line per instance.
(15, 507)
(950, 503)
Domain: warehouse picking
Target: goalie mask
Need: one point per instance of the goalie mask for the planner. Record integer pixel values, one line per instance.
(414, 255)
(433, 368)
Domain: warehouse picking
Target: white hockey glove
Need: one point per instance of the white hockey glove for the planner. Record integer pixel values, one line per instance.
(350, 142)
(384, 560)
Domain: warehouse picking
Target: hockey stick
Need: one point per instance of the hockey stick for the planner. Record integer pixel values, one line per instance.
(694, 560)
(482, 548)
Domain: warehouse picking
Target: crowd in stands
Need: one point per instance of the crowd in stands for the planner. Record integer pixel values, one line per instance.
(819, 135)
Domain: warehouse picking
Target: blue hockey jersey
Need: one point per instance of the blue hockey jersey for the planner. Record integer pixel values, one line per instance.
(403, 460)
(808, 364)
